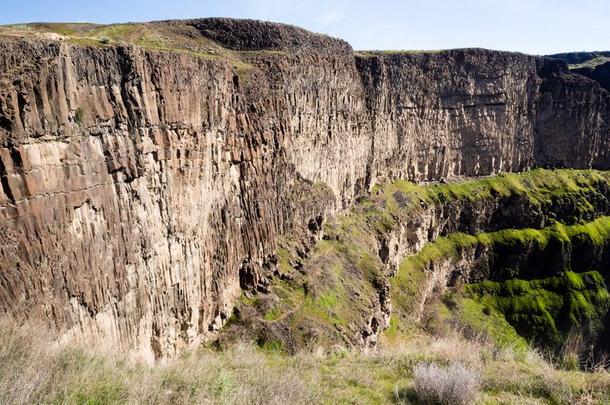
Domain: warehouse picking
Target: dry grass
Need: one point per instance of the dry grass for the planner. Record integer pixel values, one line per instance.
(33, 372)
(453, 385)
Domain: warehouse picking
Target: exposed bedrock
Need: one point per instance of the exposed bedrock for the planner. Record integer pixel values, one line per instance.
(573, 120)
(139, 187)
(600, 73)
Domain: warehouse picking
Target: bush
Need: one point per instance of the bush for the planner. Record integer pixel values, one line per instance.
(453, 385)
(79, 115)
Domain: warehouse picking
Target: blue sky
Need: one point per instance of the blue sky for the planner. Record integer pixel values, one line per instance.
(532, 26)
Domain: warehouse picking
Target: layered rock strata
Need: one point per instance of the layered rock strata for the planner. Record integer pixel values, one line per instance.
(142, 188)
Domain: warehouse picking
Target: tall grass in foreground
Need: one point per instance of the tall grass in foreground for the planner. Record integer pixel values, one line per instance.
(32, 371)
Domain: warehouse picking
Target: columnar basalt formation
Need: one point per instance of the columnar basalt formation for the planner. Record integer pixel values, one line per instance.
(463, 112)
(573, 120)
(143, 186)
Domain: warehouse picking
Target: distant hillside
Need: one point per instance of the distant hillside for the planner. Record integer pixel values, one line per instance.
(583, 59)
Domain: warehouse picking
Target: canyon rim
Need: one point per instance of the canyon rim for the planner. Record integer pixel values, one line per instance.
(170, 183)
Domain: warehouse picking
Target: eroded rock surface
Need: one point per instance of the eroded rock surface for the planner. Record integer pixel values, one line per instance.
(138, 183)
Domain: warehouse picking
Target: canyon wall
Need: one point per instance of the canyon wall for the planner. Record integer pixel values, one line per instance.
(143, 188)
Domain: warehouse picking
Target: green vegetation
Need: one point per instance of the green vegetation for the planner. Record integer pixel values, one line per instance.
(479, 320)
(554, 240)
(340, 279)
(600, 60)
(337, 276)
(151, 36)
(539, 187)
(79, 116)
(371, 53)
(545, 311)
(322, 293)
(35, 372)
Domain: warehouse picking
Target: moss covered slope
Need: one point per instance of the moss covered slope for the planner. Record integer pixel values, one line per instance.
(343, 287)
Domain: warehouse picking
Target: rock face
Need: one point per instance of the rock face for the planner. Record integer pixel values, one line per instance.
(463, 112)
(600, 73)
(573, 120)
(575, 58)
(138, 184)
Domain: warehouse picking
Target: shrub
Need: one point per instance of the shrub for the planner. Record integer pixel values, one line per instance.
(453, 385)
(79, 115)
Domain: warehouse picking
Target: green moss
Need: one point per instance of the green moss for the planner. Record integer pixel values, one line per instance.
(406, 289)
(547, 310)
(539, 186)
(543, 310)
(342, 275)
(482, 319)
(393, 329)
(596, 233)
(327, 301)
(248, 301)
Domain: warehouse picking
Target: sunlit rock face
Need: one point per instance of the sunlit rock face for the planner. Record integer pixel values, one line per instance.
(142, 188)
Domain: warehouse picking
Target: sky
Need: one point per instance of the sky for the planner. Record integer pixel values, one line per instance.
(531, 26)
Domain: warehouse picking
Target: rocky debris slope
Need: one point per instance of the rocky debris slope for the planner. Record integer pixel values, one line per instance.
(148, 170)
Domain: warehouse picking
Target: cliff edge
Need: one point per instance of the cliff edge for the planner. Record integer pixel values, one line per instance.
(148, 170)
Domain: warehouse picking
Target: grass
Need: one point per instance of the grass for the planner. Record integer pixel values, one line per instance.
(338, 281)
(388, 52)
(149, 36)
(35, 372)
(600, 60)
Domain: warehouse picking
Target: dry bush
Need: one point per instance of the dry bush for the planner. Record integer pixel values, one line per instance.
(27, 362)
(453, 385)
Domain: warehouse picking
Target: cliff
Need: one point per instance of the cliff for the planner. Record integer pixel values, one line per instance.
(148, 170)
(599, 73)
(577, 58)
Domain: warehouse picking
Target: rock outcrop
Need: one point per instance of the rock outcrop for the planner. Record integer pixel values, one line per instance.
(140, 184)
(573, 120)
(599, 73)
